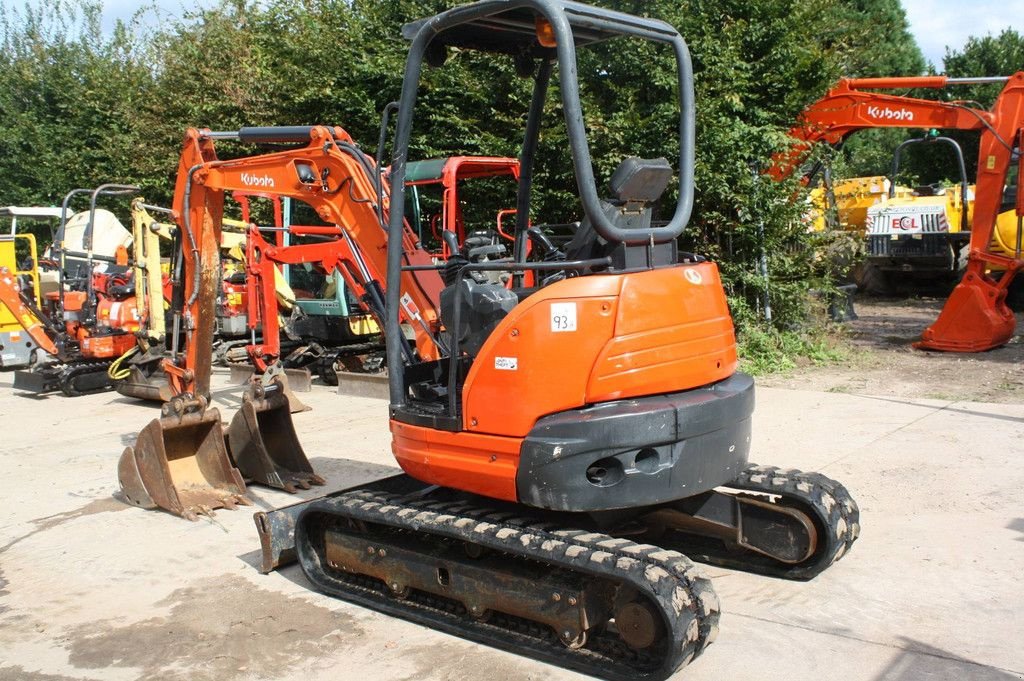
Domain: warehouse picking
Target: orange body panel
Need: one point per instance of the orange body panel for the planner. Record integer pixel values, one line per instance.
(637, 334)
(105, 347)
(671, 334)
(450, 459)
(73, 300)
(122, 315)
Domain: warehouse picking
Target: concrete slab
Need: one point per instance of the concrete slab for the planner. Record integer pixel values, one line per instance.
(93, 589)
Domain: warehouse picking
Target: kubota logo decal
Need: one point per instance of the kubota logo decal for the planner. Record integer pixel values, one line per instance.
(251, 180)
(884, 113)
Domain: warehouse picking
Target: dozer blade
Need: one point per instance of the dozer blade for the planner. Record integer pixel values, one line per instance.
(300, 380)
(295, 405)
(354, 384)
(974, 319)
(263, 442)
(241, 373)
(181, 465)
(154, 388)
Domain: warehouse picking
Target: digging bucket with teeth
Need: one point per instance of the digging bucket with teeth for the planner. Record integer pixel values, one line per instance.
(179, 463)
(263, 442)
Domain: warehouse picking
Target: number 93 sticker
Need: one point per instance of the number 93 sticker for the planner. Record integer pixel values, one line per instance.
(563, 317)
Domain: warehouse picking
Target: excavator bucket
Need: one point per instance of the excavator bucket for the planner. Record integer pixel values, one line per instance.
(974, 319)
(242, 374)
(180, 464)
(263, 442)
(154, 388)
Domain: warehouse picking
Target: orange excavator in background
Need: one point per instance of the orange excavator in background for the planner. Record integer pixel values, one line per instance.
(564, 438)
(94, 314)
(976, 317)
(261, 436)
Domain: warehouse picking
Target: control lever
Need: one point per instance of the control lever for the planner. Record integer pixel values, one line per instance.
(456, 261)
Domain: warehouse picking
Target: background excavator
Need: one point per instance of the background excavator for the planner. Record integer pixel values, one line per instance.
(563, 438)
(92, 316)
(308, 319)
(19, 256)
(976, 317)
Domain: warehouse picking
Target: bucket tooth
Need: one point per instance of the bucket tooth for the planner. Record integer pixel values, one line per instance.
(263, 442)
(180, 464)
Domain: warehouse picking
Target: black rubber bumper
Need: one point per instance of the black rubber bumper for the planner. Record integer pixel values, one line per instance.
(638, 452)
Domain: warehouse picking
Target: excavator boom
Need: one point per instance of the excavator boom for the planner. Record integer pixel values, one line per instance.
(976, 317)
(31, 320)
(342, 185)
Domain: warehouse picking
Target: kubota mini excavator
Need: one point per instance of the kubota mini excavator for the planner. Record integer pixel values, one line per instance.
(562, 442)
(975, 317)
(93, 316)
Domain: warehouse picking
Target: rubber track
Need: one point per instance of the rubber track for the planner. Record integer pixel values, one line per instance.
(62, 376)
(677, 587)
(325, 365)
(828, 502)
(77, 370)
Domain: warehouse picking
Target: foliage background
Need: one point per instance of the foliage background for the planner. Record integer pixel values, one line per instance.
(79, 107)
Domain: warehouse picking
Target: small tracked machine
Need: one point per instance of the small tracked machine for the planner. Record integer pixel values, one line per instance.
(571, 434)
(93, 316)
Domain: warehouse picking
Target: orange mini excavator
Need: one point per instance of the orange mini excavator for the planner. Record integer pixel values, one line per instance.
(566, 436)
(976, 316)
(94, 314)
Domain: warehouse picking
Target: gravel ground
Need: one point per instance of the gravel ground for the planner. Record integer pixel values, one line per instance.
(883, 362)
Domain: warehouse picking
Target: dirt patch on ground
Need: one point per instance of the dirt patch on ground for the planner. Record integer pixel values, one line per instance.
(20, 674)
(222, 628)
(884, 363)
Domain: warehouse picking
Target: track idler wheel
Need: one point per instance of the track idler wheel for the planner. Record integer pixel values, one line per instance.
(639, 625)
(263, 441)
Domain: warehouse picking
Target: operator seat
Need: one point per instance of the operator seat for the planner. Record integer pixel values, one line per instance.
(636, 184)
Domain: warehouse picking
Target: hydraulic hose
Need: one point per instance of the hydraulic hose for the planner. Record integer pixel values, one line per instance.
(115, 372)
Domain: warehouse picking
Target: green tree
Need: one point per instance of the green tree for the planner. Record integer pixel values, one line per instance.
(68, 101)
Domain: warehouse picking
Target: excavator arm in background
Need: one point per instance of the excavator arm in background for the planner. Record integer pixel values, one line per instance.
(340, 183)
(30, 318)
(976, 317)
(850, 107)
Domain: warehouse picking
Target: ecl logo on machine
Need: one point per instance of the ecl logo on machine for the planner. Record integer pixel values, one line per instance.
(884, 113)
(904, 223)
(250, 180)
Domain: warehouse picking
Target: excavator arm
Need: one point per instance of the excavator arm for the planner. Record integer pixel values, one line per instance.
(31, 320)
(975, 318)
(330, 174)
(848, 108)
(338, 181)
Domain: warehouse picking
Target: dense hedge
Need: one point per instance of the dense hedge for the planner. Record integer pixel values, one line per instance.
(80, 107)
